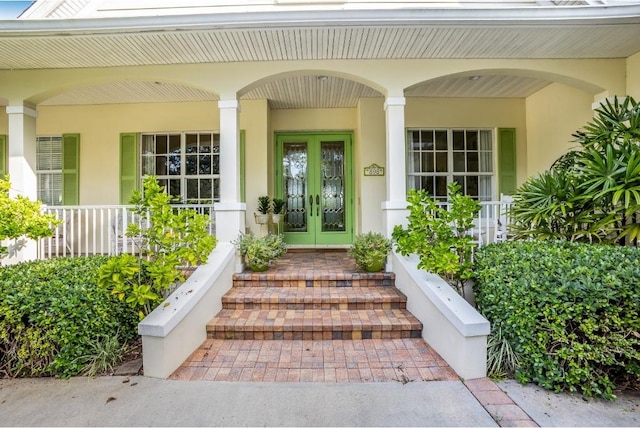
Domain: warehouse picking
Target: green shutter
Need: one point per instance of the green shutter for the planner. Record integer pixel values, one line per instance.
(507, 176)
(3, 156)
(70, 169)
(128, 166)
(243, 193)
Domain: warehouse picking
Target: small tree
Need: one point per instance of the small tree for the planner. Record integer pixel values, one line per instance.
(440, 235)
(22, 217)
(169, 239)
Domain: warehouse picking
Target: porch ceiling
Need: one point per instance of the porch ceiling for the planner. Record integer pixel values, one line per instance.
(413, 33)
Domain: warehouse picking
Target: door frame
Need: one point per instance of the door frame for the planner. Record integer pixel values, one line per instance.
(329, 239)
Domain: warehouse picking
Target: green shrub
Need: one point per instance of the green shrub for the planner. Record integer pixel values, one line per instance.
(51, 314)
(570, 311)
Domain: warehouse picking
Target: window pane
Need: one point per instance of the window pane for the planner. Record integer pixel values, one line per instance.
(192, 189)
(204, 164)
(472, 140)
(441, 140)
(472, 162)
(161, 144)
(206, 189)
(427, 162)
(191, 143)
(414, 137)
(174, 164)
(191, 164)
(485, 140)
(174, 144)
(148, 163)
(485, 162)
(414, 162)
(458, 140)
(174, 189)
(471, 188)
(441, 162)
(459, 162)
(484, 187)
(441, 187)
(161, 165)
(216, 189)
(148, 145)
(427, 140)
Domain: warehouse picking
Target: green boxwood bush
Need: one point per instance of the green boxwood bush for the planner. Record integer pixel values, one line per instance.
(571, 312)
(51, 315)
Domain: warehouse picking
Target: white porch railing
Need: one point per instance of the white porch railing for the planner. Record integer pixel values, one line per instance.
(98, 229)
(102, 229)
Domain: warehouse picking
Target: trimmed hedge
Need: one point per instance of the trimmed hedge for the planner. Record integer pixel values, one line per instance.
(51, 312)
(570, 311)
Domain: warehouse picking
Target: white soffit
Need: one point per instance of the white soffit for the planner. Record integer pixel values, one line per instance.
(130, 92)
(481, 85)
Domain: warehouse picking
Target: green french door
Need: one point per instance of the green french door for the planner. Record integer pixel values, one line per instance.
(314, 177)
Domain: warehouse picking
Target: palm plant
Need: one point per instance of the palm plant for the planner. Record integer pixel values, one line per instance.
(592, 194)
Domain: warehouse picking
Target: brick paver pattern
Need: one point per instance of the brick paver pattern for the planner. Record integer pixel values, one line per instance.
(320, 289)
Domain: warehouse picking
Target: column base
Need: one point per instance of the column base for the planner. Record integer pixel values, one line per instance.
(230, 220)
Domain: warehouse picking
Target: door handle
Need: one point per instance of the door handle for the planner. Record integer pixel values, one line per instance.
(318, 205)
(311, 204)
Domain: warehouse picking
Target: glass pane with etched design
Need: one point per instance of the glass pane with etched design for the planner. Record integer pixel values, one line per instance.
(294, 167)
(332, 181)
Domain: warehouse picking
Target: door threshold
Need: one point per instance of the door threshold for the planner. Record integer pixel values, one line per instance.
(318, 246)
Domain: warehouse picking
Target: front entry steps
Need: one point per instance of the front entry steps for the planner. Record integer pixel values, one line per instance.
(315, 317)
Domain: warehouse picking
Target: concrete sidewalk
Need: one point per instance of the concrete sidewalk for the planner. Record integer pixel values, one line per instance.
(140, 401)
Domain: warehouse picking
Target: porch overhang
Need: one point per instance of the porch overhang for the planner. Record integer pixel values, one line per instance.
(337, 32)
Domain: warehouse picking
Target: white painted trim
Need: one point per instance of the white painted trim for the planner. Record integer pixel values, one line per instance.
(393, 205)
(28, 111)
(234, 104)
(177, 326)
(451, 326)
(229, 206)
(395, 101)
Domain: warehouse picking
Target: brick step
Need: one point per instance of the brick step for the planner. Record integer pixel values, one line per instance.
(314, 279)
(347, 298)
(315, 324)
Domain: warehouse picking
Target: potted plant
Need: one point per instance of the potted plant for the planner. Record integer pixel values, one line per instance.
(278, 206)
(264, 206)
(370, 251)
(258, 253)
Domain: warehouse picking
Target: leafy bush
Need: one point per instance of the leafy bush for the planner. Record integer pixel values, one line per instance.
(51, 312)
(258, 253)
(440, 235)
(21, 216)
(570, 311)
(370, 251)
(169, 240)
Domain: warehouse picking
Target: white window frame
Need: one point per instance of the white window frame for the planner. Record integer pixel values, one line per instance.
(450, 173)
(49, 196)
(182, 176)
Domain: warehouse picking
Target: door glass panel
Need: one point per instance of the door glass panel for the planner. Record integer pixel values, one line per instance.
(294, 168)
(332, 190)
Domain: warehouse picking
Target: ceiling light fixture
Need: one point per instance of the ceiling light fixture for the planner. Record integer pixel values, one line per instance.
(322, 78)
(474, 77)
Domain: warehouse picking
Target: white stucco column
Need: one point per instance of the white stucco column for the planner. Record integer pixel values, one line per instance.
(394, 208)
(22, 169)
(230, 212)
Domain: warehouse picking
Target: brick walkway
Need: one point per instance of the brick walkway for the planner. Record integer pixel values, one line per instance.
(372, 360)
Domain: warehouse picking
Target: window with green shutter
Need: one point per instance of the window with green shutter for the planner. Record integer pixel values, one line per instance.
(3, 156)
(507, 174)
(128, 166)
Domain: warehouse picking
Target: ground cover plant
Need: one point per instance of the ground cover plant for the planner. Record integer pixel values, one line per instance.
(56, 321)
(567, 314)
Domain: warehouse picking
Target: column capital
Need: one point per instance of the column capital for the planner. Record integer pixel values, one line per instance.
(231, 104)
(19, 109)
(395, 101)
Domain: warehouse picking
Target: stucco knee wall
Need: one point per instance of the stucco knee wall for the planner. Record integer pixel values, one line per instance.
(176, 327)
(451, 326)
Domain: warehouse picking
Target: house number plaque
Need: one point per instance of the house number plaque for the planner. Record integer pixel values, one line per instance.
(374, 170)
